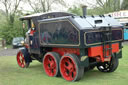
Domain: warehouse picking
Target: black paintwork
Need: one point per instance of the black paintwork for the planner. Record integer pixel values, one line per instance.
(97, 37)
(61, 30)
(58, 33)
(35, 47)
(66, 24)
(26, 55)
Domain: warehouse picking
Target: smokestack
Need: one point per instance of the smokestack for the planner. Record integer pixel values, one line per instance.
(84, 8)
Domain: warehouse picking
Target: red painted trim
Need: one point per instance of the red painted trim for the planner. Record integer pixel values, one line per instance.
(63, 51)
(98, 51)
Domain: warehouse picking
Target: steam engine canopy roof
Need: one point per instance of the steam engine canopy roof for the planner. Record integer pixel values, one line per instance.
(88, 22)
(96, 22)
(41, 16)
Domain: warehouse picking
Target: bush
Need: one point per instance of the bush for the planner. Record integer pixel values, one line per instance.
(9, 31)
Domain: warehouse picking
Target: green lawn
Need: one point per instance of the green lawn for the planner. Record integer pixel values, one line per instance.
(11, 74)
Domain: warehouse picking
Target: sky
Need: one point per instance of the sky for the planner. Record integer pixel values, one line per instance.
(89, 3)
(70, 3)
(26, 7)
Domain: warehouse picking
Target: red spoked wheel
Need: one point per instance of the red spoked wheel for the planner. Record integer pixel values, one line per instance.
(70, 67)
(21, 61)
(51, 64)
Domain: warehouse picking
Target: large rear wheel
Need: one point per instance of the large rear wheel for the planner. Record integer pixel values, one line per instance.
(110, 66)
(70, 68)
(51, 64)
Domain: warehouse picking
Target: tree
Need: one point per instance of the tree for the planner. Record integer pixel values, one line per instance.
(75, 10)
(109, 5)
(78, 10)
(102, 7)
(10, 9)
(9, 31)
(10, 26)
(124, 5)
(44, 5)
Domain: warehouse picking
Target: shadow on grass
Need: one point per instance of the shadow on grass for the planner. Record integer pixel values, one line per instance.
(37, 66)
(89, 75)
(97, 75)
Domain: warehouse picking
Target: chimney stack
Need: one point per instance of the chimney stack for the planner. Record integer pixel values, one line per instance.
(84, 8)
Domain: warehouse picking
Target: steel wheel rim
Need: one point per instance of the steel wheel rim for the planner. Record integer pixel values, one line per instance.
(20, 59)
(68, 68)
(106, 67)
(50, 65)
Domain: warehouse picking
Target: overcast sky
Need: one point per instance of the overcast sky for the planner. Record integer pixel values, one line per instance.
(70, 3)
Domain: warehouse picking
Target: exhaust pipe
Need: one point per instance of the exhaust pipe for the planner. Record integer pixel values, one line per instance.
(84, 8)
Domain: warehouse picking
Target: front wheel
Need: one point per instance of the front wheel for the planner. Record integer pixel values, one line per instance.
(21, 60)
(110, 66)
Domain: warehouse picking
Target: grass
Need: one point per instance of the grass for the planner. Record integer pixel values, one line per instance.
(12, 74)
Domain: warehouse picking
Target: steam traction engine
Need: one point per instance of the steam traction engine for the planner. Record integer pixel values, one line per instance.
(69, 45)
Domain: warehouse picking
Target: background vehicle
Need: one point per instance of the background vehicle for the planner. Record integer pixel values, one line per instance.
(122, 17)
(125, 24)
(17, 42)
(67, 44)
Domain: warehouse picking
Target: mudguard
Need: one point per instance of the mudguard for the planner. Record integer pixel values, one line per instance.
(26, 54)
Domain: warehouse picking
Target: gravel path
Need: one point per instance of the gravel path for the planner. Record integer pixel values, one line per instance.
(8, 52)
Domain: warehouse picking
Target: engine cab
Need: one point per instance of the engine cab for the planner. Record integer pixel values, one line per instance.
(70, 44)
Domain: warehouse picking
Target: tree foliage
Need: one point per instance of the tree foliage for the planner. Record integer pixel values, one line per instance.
(108, 5)
(78, 11)
(11, 8)
(44, 5)
(102, 7)
(75, 10)
(8, 32)
(124, 5)
(11, 26)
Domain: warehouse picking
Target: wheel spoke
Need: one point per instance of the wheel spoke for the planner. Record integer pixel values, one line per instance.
(54, 71)
(68, 65)
(22, 65)
(71, 75)
(66, 73)
(52, 64)
(18, 59)
(21, 55)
